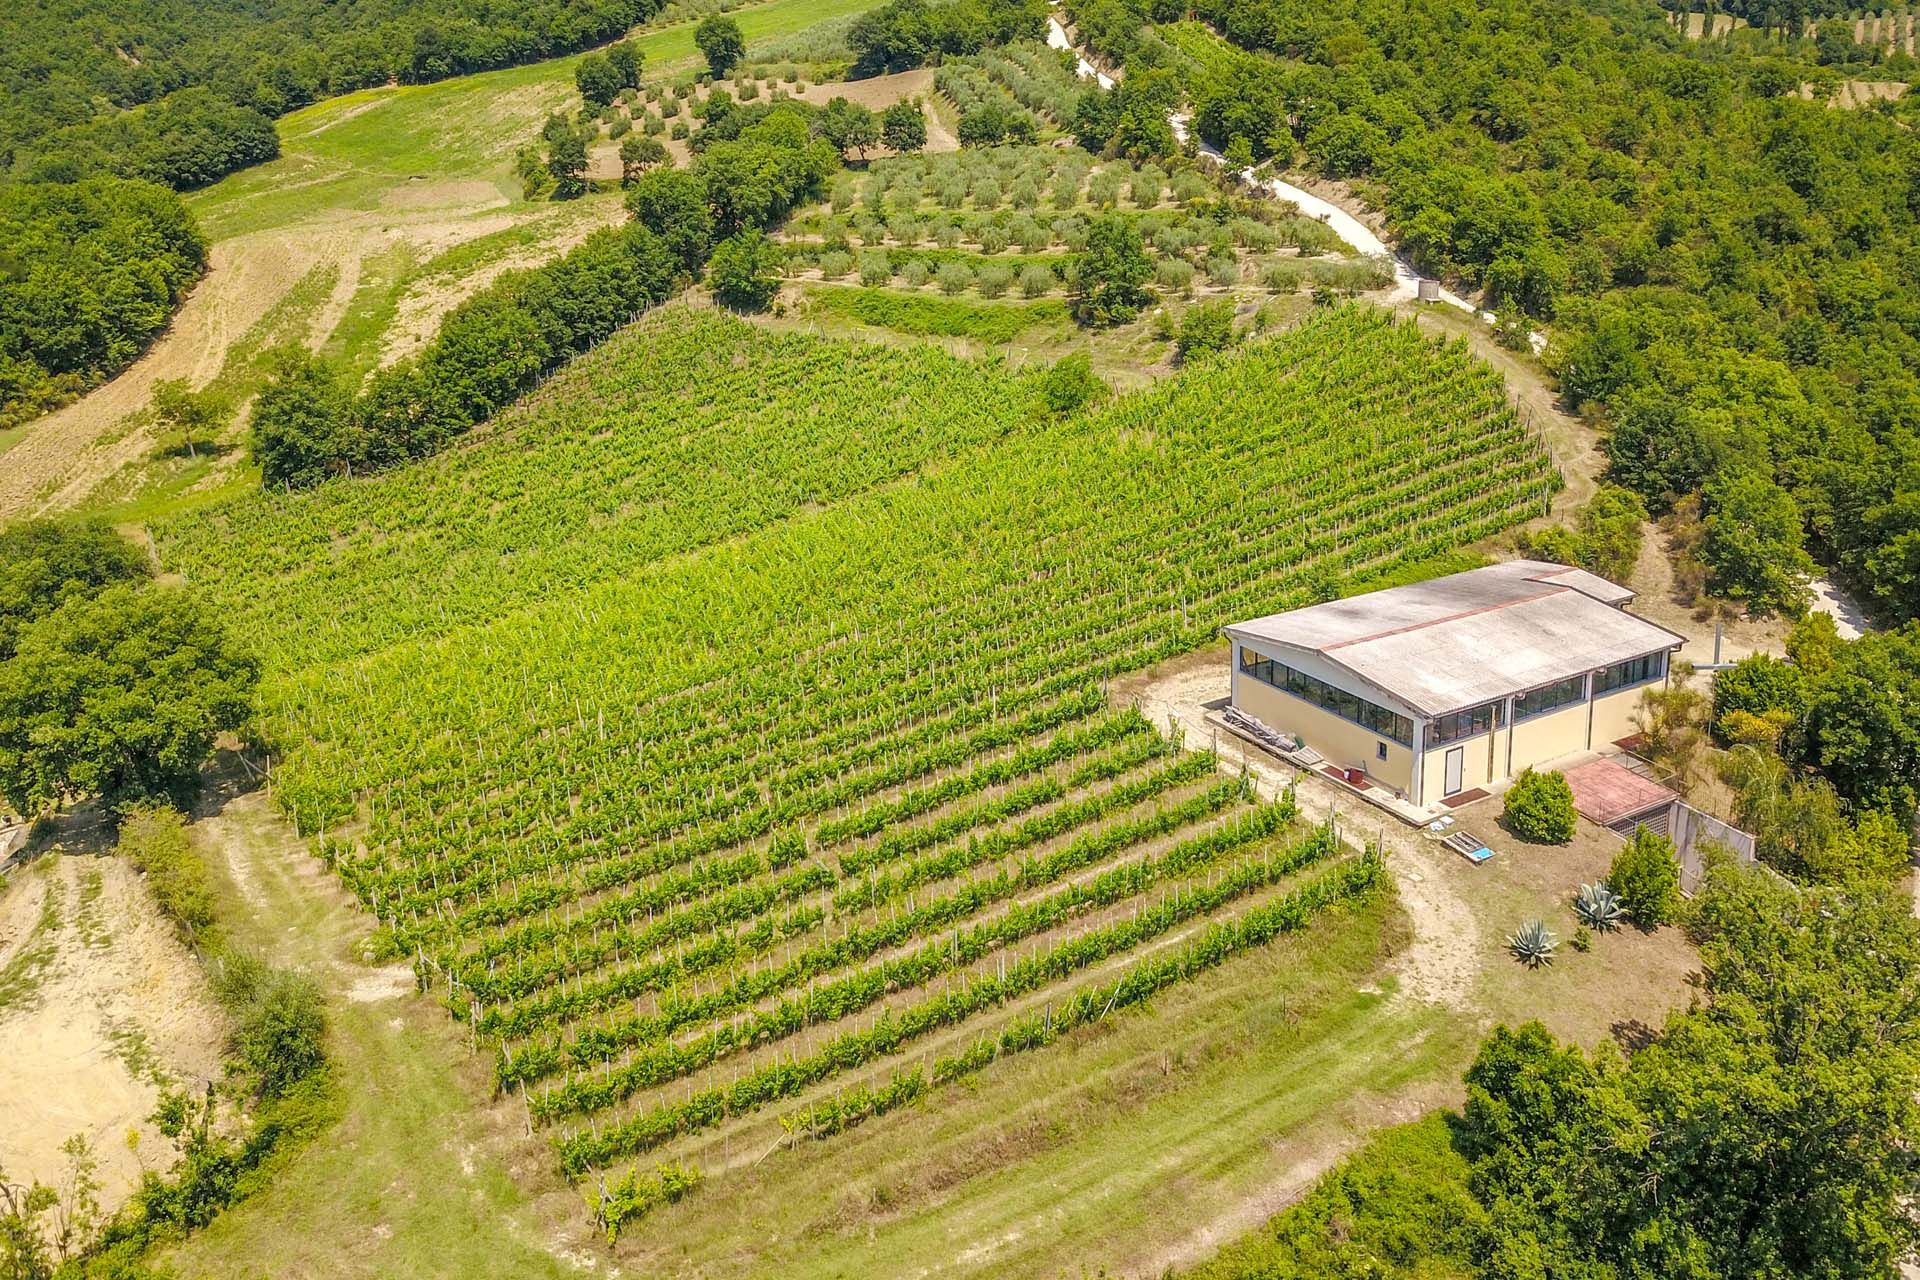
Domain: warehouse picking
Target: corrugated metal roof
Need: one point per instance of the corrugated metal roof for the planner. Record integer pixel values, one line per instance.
(1469, 638)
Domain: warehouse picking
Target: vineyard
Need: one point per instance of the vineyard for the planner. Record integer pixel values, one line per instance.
(724, 817)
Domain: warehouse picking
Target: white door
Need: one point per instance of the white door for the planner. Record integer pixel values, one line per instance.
(1456, 770)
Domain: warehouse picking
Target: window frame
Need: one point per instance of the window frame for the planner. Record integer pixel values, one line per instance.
(1657, 671)
(1276, 675)
(1585, 695)
(1496, 720)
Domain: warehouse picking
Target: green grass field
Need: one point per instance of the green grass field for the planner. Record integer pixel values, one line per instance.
(365, 150)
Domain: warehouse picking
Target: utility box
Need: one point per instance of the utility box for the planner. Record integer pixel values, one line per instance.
(1429, 290)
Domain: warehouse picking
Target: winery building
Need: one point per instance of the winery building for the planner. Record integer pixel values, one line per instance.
(1436, 690)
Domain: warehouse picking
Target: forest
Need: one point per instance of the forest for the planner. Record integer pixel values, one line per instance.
(100, 106)
(1728, 268)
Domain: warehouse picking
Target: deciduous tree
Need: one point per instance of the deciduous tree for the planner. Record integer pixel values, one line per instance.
(119, 695)
(721, 43)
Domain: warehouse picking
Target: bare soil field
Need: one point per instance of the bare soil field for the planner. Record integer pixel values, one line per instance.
(1854, 94)
(100, 1006)
(876, 93)
(1694, 25)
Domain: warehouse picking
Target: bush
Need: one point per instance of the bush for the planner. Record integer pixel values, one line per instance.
(994, 281)
(1646, 875)
(1540, 808)
(1035, 280)
(835, 263)
(1205, 329)
(1071, 385)
(279, 1023)
(154, 839)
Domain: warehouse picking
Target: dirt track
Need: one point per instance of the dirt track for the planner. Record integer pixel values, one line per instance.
(65, 454)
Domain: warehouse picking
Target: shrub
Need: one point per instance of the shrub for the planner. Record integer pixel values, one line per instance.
(916, 274)
(154, 839)
(1035, 280)
(992, 237)
(1540, 808)
(994, 281)
(279, 1022)
(1071, 385)
(875, 269)
(835, 263)
(1206, 328)
(1760, 686)
(1646, 875)
(954, 277)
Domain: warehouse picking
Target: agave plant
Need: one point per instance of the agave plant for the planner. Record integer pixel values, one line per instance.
(1533, 945)
(1599, 907)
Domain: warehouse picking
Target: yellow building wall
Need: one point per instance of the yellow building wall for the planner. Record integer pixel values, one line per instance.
(1476, 769)
(1341, 741)
(1549, 737)
(1613, 713)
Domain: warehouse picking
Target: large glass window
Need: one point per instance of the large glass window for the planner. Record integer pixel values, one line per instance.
(1623, 675)
(1323, 695)
(1466, 724)
(1552, 698)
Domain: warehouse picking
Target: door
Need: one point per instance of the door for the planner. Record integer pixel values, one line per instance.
(1456, 770)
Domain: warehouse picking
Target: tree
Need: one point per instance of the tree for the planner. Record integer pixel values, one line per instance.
(118, 695)
(849, 127)
(45, 563)
(1801, 826)
(721, 43)
(279, 1023)
(1761, 687)
(301, 430)
(1863, 721)
(1205, 329)
(1540, 808)
(567, 162)
(1110, 275)
(903, 127)
(627, 62)
(741, 272)
(672, 203)
(1755, 544)
(1765, 1132)
(598, 80)
(191, 417)
(638, 155)
(1646, 875)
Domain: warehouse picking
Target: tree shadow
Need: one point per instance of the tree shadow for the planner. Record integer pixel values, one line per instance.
(1633, 1035)
(231, 773)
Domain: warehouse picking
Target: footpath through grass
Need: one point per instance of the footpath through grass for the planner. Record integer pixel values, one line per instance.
(413, 1180)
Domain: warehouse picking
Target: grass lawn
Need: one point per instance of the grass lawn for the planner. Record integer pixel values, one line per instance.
(403, 147)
